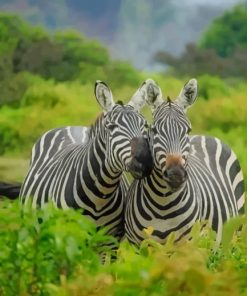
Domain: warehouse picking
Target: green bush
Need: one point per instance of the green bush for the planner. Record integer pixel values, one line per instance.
(227, 31)
(39, 248)
(55, 252)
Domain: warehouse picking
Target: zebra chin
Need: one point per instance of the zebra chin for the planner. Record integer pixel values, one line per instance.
(175, 177)
(139, 169)
(175, 185)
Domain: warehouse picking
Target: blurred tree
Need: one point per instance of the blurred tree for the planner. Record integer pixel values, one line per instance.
(26, 52)
(227, 31)
(222, 50)
(62, 56)
(193, 61)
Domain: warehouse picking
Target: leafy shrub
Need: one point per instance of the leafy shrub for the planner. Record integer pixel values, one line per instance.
(39, 248)
(55, 252)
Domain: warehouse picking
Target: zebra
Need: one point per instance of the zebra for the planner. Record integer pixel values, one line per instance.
(194, 177)
(73, 134)
(82, 167)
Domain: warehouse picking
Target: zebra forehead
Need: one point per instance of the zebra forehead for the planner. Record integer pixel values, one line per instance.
(171, 115)
(125, 110)
(169, 108)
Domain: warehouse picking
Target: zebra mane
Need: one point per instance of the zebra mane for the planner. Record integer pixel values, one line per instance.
(169, 101)
(98, 122)
(120, 102)
(95, 125)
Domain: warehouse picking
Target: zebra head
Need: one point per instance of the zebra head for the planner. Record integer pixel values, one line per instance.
(125, 132)
(169, 133)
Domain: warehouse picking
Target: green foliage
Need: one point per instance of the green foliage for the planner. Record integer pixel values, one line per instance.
(222, 50)
(213, 87)
(227, 32)
(39, 248)
(63, 56)
(12, 89)
(55, 252)
(193, 61)
(196, 61)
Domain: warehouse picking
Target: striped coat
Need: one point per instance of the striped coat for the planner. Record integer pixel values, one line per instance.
(82, 168)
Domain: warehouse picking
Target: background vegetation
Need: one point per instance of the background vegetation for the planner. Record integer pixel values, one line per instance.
(222, 49)
(46, 81)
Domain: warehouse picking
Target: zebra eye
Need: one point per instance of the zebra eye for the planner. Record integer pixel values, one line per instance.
(111, 126)
(154, 129)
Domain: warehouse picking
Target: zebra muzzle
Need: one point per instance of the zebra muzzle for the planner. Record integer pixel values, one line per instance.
(175, 176)
(141, 163)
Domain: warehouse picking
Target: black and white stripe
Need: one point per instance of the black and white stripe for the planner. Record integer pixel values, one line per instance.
(82, 167)
(194, 177)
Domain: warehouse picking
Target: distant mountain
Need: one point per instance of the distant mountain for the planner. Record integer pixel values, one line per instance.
(131, 29)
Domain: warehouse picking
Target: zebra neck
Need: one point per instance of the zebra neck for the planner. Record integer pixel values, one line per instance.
(96, 177)
(106, 161)
(158, 190)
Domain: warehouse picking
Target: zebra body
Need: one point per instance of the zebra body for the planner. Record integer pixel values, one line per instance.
(68, 135)
(194, 177)
(63, 137)
(77, 167)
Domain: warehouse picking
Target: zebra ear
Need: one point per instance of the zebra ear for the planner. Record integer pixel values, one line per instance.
(153, 94)
(103, 95)
(138, 99)
(188, 94)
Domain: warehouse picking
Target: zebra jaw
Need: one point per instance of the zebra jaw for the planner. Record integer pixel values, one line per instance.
(141, 164)
(175, 176)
